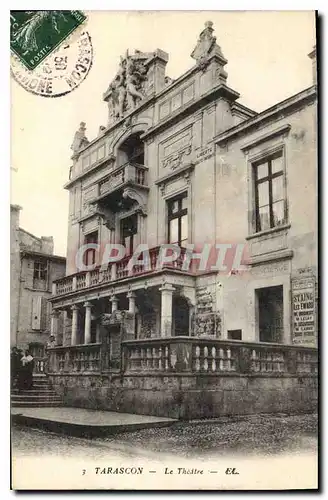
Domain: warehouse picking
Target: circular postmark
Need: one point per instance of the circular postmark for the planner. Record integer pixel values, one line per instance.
(61, 72)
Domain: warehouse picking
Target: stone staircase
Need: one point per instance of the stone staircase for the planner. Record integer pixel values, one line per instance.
(41, 395)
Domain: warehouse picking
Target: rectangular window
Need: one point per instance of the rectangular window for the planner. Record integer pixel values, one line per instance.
(40, 271)
(178, 220)
(270, 201)
(90, 253)
(234, 334)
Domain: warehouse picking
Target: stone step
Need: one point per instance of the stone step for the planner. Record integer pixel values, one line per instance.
(40, 390)
(36, 404)
(35, 397)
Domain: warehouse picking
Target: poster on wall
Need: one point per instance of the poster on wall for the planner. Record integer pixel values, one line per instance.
(304, 314)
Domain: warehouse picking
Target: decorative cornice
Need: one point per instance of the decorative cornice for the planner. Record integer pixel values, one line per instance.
(284, 129)
(295, 101)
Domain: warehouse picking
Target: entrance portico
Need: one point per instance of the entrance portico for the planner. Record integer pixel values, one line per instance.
(154, 305)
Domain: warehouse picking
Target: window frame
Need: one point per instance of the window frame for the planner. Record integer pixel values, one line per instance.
(178, 215)
(267, 157)
(42, 269)
(90, 251)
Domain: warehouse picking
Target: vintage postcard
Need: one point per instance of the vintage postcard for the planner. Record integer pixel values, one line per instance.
(164, 277)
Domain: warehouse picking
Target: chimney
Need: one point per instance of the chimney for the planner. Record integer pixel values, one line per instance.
(14, 216)
(313, 56)
(47, 244)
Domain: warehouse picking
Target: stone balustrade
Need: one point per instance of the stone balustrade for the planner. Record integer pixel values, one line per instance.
(190, 355)
(84, 358)
(214, 356)
(40, 364)
(116, 270)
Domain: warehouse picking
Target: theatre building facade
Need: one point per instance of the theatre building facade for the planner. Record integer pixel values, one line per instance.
(182, 162)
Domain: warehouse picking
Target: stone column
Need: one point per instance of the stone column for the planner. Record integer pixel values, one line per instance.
(64, 327)
(87, 323)
(114, 301)
(54, 323)
(132, 302)
(98, 333)
(75, 311)
(166, 309)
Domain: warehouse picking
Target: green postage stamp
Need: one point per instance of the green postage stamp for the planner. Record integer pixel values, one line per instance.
(36, 34)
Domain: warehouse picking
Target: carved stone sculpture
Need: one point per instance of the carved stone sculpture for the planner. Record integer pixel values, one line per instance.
(80, 140)
(206, 46)
(129, 85)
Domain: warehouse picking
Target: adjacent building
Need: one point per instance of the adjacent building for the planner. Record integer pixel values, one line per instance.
(33, 268)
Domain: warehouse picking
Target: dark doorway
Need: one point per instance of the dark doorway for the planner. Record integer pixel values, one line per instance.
(180, 316)
(129, 231)
(270, 314)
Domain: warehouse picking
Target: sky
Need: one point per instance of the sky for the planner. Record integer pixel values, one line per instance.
(267, 63)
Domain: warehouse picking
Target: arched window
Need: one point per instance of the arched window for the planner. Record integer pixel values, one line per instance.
(132, 150)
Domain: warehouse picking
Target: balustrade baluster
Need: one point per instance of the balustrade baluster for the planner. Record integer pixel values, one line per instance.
(197, 360)
(160, 361)
(205, 358)
(149, 360)
(213, 359)
(221, 360)
(229, 362)
(166, 358)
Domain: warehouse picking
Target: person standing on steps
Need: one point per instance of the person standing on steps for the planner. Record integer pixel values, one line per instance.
(27, 371)
(15, 364)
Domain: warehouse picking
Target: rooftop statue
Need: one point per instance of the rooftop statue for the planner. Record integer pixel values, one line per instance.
(80, 140)
(206, 45)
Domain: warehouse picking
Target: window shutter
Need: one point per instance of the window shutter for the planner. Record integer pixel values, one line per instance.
(36, 313)
(43, 320)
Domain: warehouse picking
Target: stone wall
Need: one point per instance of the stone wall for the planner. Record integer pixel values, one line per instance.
(189, 396)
